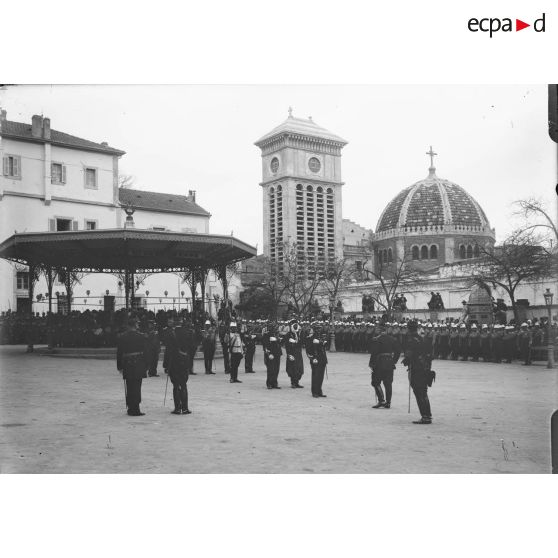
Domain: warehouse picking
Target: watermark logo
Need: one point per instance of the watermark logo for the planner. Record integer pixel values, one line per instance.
(492, 25)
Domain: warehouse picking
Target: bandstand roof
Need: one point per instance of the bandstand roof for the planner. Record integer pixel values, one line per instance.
(109, 250)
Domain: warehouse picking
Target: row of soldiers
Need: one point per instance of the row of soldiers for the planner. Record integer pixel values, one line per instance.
(495, 343)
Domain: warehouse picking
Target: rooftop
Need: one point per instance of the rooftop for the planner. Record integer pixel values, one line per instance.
(303, 127)
(44, 134)
(157, 201)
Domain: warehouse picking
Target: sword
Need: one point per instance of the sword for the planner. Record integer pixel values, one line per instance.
(166, 386)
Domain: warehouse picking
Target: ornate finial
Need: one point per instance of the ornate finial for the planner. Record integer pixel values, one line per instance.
(432, 169)
(310, 118)
(290, 112)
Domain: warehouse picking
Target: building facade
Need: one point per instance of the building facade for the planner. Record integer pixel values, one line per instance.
(53, 181)
(302, 191)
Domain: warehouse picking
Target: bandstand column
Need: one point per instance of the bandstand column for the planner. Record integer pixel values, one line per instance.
(31, 289)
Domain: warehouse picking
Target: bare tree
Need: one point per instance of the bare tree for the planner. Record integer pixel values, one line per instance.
(337, 274)
(537, 219)
(390, 277)
(273, 287)
(301, 276)
(126, 181)
(518, 259)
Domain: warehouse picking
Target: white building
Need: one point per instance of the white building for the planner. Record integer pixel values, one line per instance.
(53, 181)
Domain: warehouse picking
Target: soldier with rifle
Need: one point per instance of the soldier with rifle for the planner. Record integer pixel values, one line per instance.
(316, 352)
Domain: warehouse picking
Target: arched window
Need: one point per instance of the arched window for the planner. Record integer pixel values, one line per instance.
(390, 255)
(385, 256)
(309, 188)
(415, 252)
(461, 252)
(299, 186)
(330, 190)
(433, 252)
(424, 253)
(279, 188)
(476, 252)
(469, 252)
(319, 189)
(272, 190)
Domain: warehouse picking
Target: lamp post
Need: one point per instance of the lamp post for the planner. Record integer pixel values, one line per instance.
(548, 296)
(332, 346)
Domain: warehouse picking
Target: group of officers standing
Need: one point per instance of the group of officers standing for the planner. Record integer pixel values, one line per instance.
(138, 354)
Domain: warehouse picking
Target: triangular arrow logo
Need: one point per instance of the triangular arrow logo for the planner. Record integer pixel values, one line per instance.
(519, 25)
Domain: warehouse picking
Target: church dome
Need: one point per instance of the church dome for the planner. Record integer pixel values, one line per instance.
(431, 205)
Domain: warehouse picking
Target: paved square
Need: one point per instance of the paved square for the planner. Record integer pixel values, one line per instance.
(61, 415)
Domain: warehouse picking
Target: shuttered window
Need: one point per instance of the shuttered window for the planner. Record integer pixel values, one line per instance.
(12, 166)
(90, 177)
(58, 173)
(22, 280)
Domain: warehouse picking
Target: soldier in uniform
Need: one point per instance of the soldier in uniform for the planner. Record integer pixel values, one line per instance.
(316, 352)
(293, 347)
(177, 364)
(463, 342)
(250, 345)
(193, 343)
(130, 360)
(474, 343)
(429, 339)
(224, 339)
(443, 342)
(497, 343)
(485, 341)
(510, 344)
(153, 349)
(209, 342)
(348, 339)
(272, 355)
(454, 342)
(236, 348)
(418, 360)
(524, 340)
(384, 354)
(339, 338)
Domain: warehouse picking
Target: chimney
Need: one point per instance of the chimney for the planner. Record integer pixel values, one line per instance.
(37, 126)
(192, 196)
(46, 128)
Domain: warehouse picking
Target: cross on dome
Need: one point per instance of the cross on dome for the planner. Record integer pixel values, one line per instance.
(290, 112)
(431, 154)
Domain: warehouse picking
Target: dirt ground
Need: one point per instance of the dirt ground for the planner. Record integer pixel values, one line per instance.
(68, 416)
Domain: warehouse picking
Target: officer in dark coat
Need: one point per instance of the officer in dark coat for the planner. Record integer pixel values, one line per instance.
(384, 354)
(250, 346)
(293, 347)
(176, 364)
(339, 338)
(209, 341)
(153, 349)
(272, 355)
(510, 344)
(130, 360)
(316, 352)
(463, 342)
(418, 360)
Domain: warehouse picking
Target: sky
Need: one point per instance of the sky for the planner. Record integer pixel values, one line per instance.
(491, 140)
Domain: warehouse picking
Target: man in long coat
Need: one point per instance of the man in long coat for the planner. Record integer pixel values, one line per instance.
(130, 360)
(176, 364)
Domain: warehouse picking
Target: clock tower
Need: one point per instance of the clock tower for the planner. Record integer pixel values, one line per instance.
(301, 183)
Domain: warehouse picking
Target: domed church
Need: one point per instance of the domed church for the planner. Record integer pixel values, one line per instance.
(431, 223)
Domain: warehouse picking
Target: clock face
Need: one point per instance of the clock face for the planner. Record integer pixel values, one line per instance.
(274, 165)
(314, 164)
